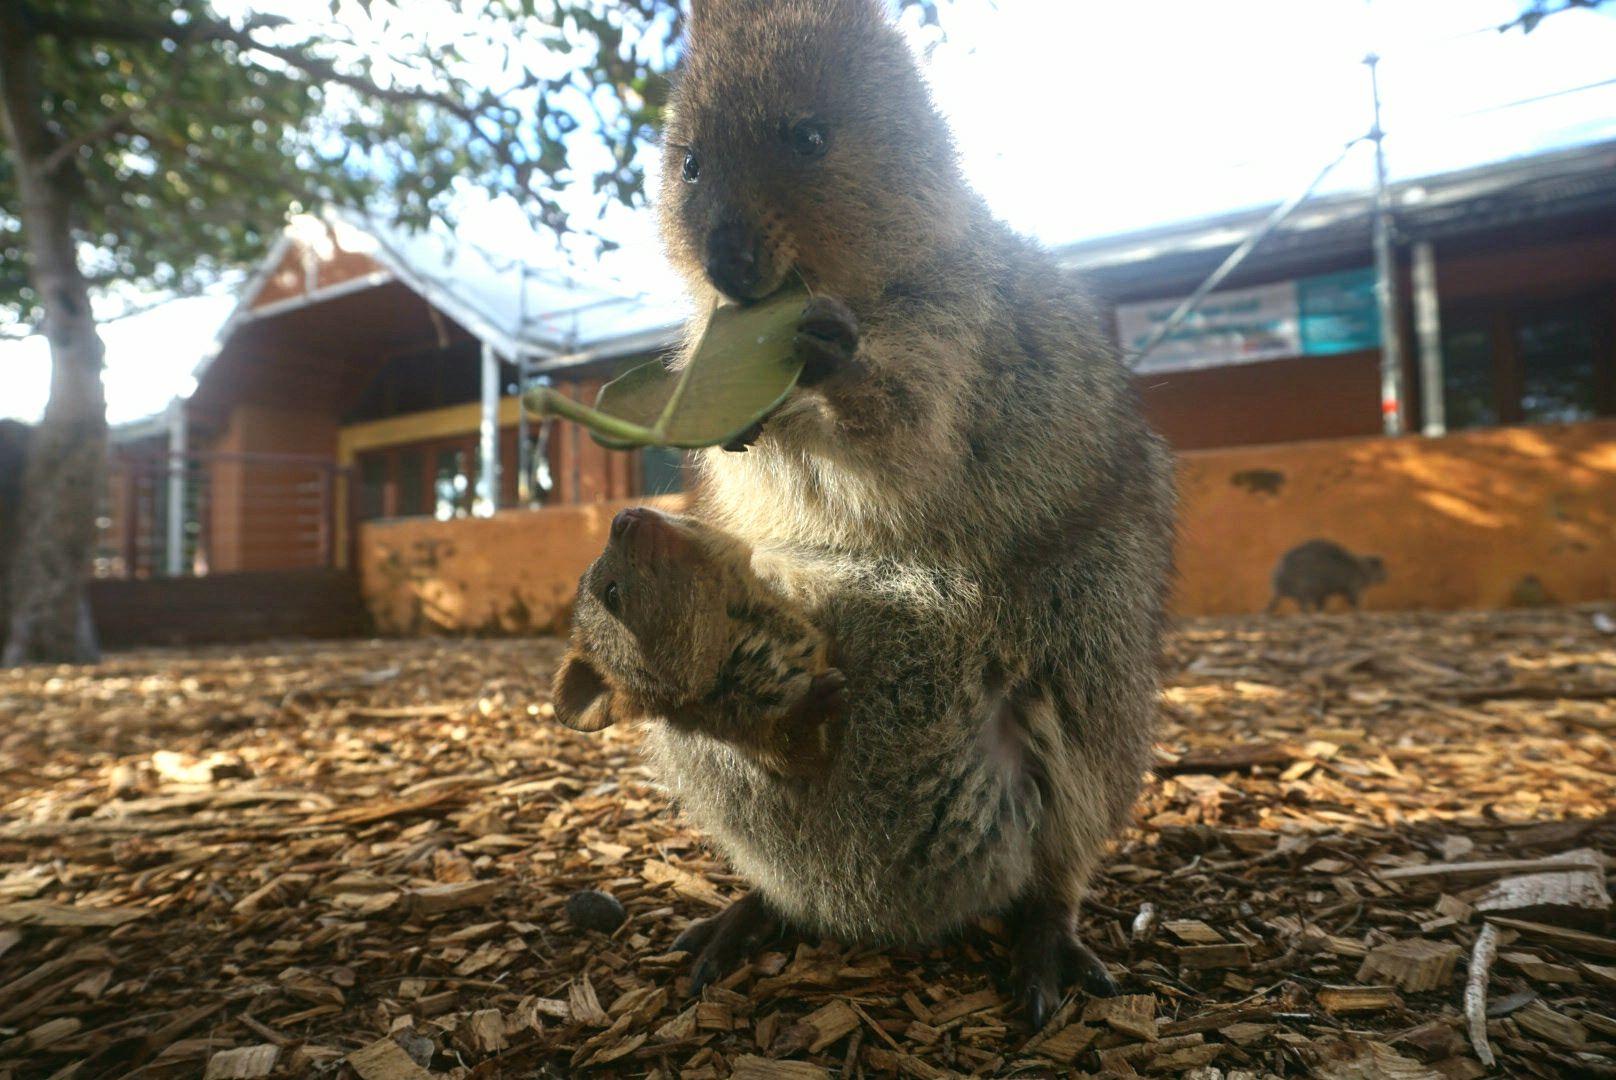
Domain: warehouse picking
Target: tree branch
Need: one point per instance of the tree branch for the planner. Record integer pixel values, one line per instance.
(63, 152)
(116, 28)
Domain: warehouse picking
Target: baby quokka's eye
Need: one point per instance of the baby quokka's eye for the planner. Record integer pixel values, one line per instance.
(612, 598)
(808, 138)
(692, 167)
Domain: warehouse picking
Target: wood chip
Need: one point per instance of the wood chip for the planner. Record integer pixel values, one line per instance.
(818, 1029)
(1358, 999)
(1193, 932)
(684, 883)
(395, 854)
(1551, 894)
(45, 913)
(752, 1067)
(964, 1006)
(435, 900)
(1414, 964)
(1545, 1023)
(1488, 868)
(1133, 1015)
(1577, 941)
(1070, 1041)
(243, 1063)
(1196, 957)
(384, 1059)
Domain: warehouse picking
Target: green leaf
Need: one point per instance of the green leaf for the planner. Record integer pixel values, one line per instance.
(744, 366)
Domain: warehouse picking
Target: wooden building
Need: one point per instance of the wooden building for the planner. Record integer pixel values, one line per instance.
(368, 374)
(362, 400)
(1507, 295)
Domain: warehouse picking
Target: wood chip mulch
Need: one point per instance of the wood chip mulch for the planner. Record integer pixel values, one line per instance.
(1376, 846)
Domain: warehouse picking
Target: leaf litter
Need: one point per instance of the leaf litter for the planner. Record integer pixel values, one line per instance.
(1374, 846)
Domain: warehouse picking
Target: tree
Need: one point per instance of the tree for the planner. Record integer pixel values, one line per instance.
(152, 145)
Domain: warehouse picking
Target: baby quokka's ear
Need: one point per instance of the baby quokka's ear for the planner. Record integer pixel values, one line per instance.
(583, 699)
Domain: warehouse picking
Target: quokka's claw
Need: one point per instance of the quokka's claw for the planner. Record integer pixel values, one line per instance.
(723, 941)
(827, 338)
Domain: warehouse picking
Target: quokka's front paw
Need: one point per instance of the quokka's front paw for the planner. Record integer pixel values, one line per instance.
(814, 726)
(827, 339)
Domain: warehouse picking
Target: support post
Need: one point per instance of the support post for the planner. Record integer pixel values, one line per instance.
(487, 500)
(175, 547)
(1428, 324)
(1391, 345)
(524, 452)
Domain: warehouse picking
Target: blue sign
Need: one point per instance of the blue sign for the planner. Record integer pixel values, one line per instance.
(1337, 313)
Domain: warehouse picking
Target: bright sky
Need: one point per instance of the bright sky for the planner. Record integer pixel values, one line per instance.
(1076, 120)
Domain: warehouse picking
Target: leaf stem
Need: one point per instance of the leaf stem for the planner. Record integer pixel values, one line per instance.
(546, 401)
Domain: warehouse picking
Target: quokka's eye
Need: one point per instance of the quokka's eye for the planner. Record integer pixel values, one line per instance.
(612, 598)
(692, 167)
(808, 138)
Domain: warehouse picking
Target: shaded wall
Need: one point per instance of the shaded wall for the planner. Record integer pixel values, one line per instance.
(1483, 520)
(1308, 397)
(1478, 520)
(513, 573)
(262, 515)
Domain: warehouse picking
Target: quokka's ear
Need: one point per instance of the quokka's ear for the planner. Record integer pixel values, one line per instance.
(583, 700)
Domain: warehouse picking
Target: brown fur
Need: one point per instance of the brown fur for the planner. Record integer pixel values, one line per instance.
(691, 634)
(971, 502)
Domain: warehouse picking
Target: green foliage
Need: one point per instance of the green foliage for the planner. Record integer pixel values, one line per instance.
(185, 138)
(744, 366)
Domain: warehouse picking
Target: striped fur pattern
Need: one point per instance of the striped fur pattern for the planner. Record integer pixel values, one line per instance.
(672, 622)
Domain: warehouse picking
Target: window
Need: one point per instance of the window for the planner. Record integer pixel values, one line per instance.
(1469, 396)
(664, 470)
(1559, 370)
(452, 485)
(372, 486)
(411, 468)
(1543, 363)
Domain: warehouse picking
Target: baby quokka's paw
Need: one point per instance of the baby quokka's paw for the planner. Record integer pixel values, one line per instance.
(827, 339)
(812, 730)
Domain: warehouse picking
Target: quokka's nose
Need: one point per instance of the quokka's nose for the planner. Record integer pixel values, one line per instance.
(624, 521)
(732, 261)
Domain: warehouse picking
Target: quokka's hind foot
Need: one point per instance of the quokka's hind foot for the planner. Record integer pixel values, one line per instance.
(723, 941)
(1046, 955)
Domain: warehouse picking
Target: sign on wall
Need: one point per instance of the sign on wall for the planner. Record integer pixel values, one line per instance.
(1314, 316)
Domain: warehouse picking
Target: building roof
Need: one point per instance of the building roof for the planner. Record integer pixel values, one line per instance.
(1174, 258)
(523, 309)
(558, 318)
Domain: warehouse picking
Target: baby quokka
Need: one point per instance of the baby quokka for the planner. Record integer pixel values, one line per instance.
(672, 622)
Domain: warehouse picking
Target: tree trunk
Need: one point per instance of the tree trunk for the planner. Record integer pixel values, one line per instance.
(66, 468)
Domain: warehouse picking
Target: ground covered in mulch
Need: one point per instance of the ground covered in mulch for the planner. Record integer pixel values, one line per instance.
(356, 860)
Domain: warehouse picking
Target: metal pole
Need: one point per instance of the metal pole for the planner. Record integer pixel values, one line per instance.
(1187, 308)
(1428, 324)
(1391, 346)
(524, 452)
(175, 560)
(487, 501)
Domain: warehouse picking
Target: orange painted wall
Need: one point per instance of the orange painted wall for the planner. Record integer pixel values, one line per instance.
(1461, 521)
(513, 573)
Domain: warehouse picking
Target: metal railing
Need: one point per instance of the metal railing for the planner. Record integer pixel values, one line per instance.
(192, 513)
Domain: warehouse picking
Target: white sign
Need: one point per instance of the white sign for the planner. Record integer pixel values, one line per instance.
(1234, 327)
